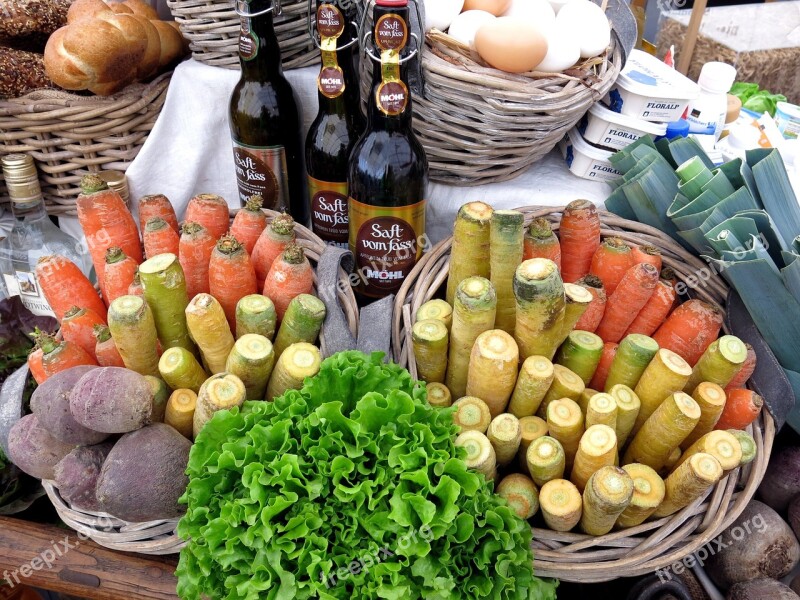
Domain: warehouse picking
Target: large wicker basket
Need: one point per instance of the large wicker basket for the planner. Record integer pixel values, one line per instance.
(654, 544)
(212, 28)
(480, 125)
(160, 537)
(69, 135)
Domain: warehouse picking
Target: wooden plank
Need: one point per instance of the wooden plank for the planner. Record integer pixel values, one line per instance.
(83, 568)
(692, 31)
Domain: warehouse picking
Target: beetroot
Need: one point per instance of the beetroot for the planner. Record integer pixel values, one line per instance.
(34, 450)
(76, 475)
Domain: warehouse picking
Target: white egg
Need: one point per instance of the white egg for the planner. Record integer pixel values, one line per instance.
(465, 25)
(563, 49)
(588, 23)
(537, 12)
(440, 13)
(557, 4)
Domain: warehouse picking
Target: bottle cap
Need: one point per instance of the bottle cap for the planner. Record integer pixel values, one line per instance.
(118, 182)
(717, 77)
(391, 3)
(21, 177)
(676, 129)
(734, 108)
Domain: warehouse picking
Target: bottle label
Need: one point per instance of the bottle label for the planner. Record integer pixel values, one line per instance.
(248, 43)
(25, 285)
(329, 218)
(391, 32)
(386, 242)
(330, 21)
(331, 81)
(330, 24)
(392, 97)
(262, 171)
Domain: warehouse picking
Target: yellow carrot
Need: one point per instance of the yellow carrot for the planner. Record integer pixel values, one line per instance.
(209, 329)
(256, 314)
(436, 309)
(540, 308)
(711, 399)
(601, 410)
(566, 384)
(719, 364)
(301, 323)
(608, 493)
(545, 460)
(531, 428)
(439, 395)
(505, 434)
(673, 459)
(471, 414)
(297, 362)
(471, 240)
(664, 431)
(628, 406)
(480, 453)
(633, 355)
(180, 369)
(747, 444)
(666, 374)
(648, 493)
(520, 493)
(721, 445)
(473, 313)
(220, 392)
(535, 378)
(430, 341)
(133, 330)
(578, 299)
(560, 502)
(164, 287)
(688, 482)
(505, 253)
(160, 397)
(565, 423)
(180, 411)
(597, 449)
(252, 360)
(583, 399)
(581, 353)
(493, 369)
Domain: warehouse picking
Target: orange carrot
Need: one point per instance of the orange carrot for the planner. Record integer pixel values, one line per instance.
(159, 238)
(64, 286)
(655, 311)
(157, 205)
(580, 237)
(690, 329)
(135, 288)
(210, 211)
(106, 221)
(271, 243)
(105, 349)
(646, 253)
(598, 381)
(594, 312)
(35, 365)
(118, 276)
(748, 367)
(541, 242)
(669, 276)
(194, 253)
(631, 295)
(741, 408)
(78, 327)
(290, 276)
(231, 276)
(60, 356)
(610, 261)
(249, 223)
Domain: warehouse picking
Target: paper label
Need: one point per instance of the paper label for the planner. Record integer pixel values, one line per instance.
(386, 242)
(330, 24)
(391, 32)
(329, 218)
(392, 97)
(262, 171)
(25, 285)
(248, 43)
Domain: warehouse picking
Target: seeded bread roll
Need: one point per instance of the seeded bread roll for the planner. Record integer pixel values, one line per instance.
(23, 18)
(21, 72)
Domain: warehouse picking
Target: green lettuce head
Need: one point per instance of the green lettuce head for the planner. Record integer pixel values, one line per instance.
(351, 487)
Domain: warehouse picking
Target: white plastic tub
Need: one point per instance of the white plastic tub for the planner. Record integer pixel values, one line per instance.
(650, 90)
(584, 160)
(612, 130)
(787, 117)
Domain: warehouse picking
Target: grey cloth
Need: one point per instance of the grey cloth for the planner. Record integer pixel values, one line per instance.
(375, 327)
(416, 80)
(624, 25)
(11, 403)
(336, 335)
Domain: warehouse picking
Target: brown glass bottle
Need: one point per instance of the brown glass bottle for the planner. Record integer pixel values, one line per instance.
(339, 121)
(388, 169)
(265, 120)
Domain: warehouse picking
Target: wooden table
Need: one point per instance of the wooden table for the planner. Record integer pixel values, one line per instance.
(84, 569)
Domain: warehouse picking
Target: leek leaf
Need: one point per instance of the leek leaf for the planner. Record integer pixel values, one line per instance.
(719, 184)
(692, 168)
(729, 234)
(697, 211)
(793, 418)
(617, 203)
(739, 174)
(694, 187)
(662, 146)
(776, 191)
(791, 276)
(696, 239)
(773, 241)
(683, 149)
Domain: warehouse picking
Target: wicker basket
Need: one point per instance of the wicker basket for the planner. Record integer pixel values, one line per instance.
(212, 28)
(69, 135)
(160, 537)
(654, 544)
(480, 125)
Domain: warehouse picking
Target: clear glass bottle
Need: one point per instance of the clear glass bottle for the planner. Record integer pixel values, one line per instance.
(32, 236)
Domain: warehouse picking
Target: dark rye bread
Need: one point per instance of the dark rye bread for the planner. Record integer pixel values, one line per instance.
(21, 72)
(23, 18)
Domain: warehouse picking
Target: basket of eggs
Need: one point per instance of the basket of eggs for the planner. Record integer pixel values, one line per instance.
(505, 80)
(609, 406)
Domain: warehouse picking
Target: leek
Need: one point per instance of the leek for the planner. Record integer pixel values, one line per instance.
(740, 175)
(684, 149)
(777, 193)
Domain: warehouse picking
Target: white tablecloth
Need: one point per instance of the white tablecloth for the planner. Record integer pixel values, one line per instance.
(189, 152)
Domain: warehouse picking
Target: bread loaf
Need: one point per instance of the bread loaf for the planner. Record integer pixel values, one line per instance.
(23, 18)
(21, 72)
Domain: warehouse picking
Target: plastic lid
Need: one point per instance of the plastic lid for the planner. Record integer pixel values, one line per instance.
(676, 129)
(647, 76)
(601, 112)
(733, 110)
(717, 77)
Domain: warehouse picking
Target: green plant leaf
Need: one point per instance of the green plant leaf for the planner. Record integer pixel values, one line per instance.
(777, 193)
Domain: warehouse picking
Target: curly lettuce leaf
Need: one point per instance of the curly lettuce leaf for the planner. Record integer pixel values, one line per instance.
(351, 487)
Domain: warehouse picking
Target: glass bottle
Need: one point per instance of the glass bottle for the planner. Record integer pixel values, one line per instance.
(264, 118)
(388, 169)
(32, 236)
(339, 121)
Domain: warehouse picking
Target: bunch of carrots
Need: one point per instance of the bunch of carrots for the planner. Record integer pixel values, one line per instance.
(156, 276)
(581, 342)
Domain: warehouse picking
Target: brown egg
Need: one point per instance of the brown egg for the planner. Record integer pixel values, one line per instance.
(496, 7)
(510, 45)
